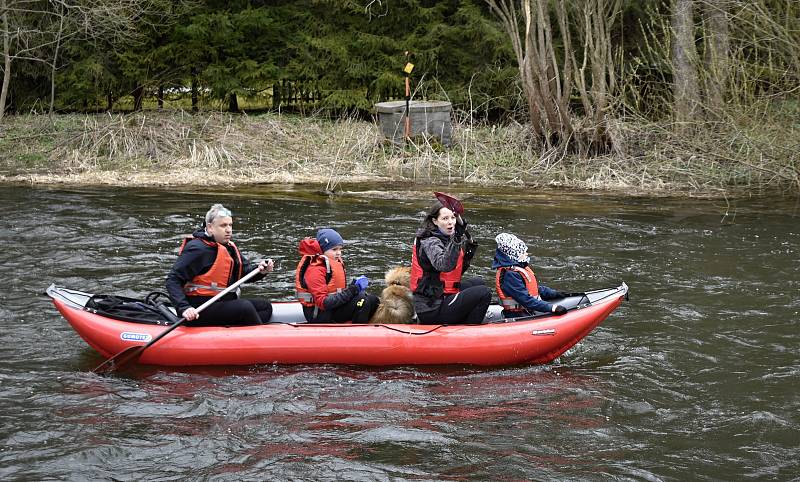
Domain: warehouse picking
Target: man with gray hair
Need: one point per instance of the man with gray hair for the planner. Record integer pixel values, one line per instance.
(207, 263)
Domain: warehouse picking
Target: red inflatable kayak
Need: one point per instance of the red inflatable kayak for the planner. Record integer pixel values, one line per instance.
(287, 339)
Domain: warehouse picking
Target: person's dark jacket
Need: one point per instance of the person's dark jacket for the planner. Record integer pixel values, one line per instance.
(197, 258)
(442, 252)
(513, 285)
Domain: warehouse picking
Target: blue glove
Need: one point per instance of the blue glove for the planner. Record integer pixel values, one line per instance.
(362, 282)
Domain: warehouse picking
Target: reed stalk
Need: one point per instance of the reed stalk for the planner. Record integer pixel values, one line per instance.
(753, 151)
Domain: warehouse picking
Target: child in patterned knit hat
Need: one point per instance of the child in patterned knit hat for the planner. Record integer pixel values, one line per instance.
(519, 292)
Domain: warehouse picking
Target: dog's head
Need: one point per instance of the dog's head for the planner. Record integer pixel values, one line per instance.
(400, 276)
(397, 306)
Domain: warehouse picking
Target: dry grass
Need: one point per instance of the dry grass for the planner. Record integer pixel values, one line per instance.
(176, 148)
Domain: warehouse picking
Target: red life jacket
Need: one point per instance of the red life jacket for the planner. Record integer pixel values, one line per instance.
(312, 255)
(448, 281)
(508, 303)
(216, 279)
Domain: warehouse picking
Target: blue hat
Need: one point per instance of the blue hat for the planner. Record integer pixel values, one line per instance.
(328, 238)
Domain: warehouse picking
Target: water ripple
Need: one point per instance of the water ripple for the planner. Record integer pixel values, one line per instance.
(693, 378)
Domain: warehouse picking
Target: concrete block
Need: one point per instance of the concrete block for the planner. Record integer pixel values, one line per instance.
(430, 118)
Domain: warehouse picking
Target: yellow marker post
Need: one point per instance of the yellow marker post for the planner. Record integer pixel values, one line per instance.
(407, 70)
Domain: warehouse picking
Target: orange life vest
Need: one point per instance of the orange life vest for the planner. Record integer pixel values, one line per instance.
(448, 281)
(216, 279)
(508, 303)
(312, 255)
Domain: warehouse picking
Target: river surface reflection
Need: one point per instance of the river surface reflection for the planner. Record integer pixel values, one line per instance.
(694, 378)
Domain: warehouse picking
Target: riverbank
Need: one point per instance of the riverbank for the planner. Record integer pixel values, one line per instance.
(217, 149)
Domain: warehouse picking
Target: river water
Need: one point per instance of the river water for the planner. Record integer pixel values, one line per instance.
(695, 378)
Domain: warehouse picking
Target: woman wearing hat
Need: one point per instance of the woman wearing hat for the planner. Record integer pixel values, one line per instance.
(519, 292)
(321, 283)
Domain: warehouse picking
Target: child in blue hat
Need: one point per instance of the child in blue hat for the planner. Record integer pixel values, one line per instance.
(321, 283)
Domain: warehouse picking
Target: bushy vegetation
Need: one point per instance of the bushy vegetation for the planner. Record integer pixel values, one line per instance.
(689, 95)
(337, 57)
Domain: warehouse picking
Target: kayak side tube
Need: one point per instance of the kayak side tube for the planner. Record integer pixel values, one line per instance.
(527, 340)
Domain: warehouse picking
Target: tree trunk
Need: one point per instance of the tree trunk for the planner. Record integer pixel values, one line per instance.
(194, 91)
(595, 77)
(138, 97)
(544, 85)
(686, 94)
(717, 45)
(233, 102)
(276, 95)
(109, 101)
(160, 96)
(55, 59)
(6, 60)
(548, 82)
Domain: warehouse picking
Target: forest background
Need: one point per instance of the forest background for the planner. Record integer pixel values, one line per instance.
(697, 97)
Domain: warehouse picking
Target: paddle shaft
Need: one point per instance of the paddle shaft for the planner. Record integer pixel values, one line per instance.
(407, 130)
(205, 305)
(129, 354)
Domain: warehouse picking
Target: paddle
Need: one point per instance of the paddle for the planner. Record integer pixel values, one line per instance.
(133, 353)
(450, 202)
(455, 205)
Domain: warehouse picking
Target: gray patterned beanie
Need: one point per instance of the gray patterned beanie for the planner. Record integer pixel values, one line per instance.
(512, 246)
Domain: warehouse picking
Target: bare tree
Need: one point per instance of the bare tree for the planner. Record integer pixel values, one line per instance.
(716, 54)
(528, 27)
(36, 31)
(549, 77)
(596, 18)
(686, 93)
(764, 47)
(59, 12)
(6, 57)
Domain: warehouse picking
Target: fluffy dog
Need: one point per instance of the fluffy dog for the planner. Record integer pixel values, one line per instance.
(400, 276)
(397, 302)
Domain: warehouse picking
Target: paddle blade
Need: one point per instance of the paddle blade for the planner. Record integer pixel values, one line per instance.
(125, 357)
(449, 202)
